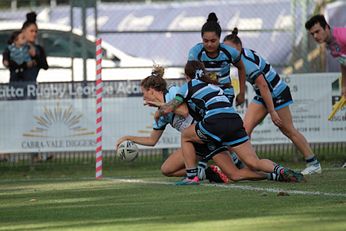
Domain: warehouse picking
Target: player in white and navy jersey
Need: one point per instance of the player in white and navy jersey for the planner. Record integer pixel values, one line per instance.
(272, 97)
(218, 58)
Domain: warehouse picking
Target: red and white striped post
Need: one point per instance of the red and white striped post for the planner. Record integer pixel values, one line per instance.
(99, 90)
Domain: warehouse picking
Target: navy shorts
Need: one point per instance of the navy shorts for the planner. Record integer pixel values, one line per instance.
(282, 100)
(225, 129)
(208, 150)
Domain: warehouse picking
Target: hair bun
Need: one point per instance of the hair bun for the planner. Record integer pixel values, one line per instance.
(212, 17)
(158, 71)
(235, 31)
(31, 16)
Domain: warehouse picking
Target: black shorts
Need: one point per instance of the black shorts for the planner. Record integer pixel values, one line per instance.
(208, 150)
(282, 100)
(226, 129)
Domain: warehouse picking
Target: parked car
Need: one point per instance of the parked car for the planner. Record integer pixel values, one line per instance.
(64, 48)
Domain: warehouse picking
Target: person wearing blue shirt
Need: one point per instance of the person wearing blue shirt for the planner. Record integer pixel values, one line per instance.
(272, 97)
(220, 124)
(16, 56)
(218, 58)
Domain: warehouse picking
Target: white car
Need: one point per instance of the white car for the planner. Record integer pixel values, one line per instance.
(60, 46)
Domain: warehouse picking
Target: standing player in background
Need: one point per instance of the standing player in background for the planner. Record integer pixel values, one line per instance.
(335, 40)
(272, 97)
(217, 58)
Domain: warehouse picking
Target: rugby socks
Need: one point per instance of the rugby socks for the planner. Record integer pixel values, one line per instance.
(311, 160)
(202, 165)
(201, 170)
(191, 173)
(277, 169)
(273, 176)
(236, 161)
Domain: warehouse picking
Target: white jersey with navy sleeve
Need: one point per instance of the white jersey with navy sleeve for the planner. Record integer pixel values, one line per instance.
(207, 97)
(256, 65)
(176, 121)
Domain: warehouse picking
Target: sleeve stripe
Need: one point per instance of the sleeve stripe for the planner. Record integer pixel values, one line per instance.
(179, 98)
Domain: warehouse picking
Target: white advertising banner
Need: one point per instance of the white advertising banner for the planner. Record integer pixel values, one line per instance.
(67, 122)
(314, 96)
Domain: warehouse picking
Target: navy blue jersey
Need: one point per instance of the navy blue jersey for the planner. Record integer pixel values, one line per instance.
(208, 98)
(256, 65)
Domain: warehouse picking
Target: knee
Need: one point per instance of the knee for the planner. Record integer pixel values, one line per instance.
(289, 132)
(166, 171)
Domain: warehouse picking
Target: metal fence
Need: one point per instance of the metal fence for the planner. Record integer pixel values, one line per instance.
(332, 152)
(139, 32)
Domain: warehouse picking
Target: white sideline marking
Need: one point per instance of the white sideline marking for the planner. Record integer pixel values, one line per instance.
(234, 186)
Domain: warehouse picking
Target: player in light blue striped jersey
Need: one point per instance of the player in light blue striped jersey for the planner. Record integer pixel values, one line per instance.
(218, 58)
(272, 97)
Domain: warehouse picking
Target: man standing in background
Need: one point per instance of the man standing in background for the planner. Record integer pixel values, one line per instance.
(335, 39)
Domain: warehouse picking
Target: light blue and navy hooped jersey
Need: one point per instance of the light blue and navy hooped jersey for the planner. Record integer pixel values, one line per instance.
(256, 65)
(176, 121)
(206, 97)
(221, 64)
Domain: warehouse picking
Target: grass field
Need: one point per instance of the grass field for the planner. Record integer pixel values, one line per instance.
(137, 197)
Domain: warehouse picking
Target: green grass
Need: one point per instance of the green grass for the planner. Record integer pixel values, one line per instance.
(68, 198)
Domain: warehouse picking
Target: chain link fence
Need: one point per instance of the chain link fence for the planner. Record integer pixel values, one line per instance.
(137, 33)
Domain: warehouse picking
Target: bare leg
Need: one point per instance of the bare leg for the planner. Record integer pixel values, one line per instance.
(174, 164)
(225, 162)
(255, 113)
(292, 133)
(248, 155)
(187, 138)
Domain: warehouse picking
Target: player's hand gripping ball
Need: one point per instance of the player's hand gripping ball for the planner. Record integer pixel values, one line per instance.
(127, 151)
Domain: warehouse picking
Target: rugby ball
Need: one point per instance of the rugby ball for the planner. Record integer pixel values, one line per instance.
(127, 151)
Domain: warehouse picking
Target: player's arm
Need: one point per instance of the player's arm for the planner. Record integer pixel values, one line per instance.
(242, 79)
(262, 85)
(147, 141)
(181, 110)
(343, 80)
(166, 108)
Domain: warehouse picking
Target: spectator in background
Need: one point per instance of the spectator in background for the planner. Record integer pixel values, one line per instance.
(16, 56)
(335, 40)
(28, 73)
(36, 51)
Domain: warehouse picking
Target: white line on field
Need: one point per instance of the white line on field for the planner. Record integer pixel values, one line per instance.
(234, 186)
